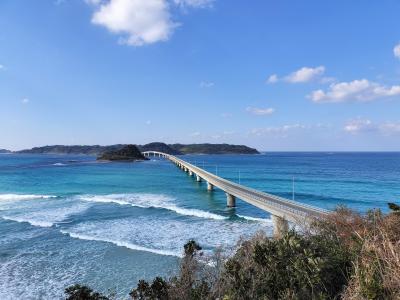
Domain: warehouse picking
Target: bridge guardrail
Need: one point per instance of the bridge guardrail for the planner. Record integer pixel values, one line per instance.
(243, 192)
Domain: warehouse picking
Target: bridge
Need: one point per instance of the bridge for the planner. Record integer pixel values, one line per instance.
(282, 210)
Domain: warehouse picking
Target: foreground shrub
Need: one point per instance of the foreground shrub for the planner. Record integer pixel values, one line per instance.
(304, 267)
(189, 284)
(81, 292)
(345, 256)
(375, 241)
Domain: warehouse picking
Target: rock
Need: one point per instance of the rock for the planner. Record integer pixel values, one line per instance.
(127, 153)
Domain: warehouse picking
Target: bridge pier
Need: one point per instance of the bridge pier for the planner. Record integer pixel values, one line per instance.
(281, 226)
(230, 200)
(210, 187)
(198, 178)
(190, 173)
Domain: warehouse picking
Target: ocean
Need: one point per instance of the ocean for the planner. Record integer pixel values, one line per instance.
(68, 219)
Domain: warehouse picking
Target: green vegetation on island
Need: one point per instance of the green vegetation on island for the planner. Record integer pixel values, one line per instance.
(160, 147)
(174, 149)
(348, 256)
(74, 149)
(127, 153)
(213, 149)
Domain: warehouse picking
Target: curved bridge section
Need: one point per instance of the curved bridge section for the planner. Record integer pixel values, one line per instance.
(281, 209)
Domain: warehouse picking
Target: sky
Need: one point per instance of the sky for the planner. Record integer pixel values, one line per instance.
(281, 75)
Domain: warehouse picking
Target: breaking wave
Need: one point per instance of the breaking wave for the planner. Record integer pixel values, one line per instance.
(47, 216)
(121, 244)
(16, 197)
(32, 222)
(254, 219)
(149, 201)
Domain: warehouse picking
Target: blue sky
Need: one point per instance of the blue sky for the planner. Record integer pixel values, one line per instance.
(276, 75)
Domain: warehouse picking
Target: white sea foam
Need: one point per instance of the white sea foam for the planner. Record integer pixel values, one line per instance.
(17, 197)
(45, 216)
(32, 222)
(165, 236)
(59, 164)
(151, 200)
(255, 219)
(121, 244)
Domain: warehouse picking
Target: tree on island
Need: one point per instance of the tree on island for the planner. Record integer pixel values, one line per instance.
(127, 153)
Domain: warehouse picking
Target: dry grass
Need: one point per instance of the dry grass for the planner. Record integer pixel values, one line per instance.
(375, 241)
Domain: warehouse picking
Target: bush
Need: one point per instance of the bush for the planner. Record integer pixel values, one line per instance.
(81, 292)
(375, 242)
(299, 266)
(345, 256)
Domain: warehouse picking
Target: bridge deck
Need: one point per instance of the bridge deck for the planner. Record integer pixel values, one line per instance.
(290, 210)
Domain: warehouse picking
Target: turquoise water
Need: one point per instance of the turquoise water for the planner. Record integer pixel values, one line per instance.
(69, 219)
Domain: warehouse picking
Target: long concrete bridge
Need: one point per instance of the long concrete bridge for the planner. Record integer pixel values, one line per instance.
(281, 209)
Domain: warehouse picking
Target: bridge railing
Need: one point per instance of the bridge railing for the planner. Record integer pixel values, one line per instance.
(246, 192)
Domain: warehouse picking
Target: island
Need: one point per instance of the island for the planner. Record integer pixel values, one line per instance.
(4, 151)
(160, 147)
(213, 149)
(128, 153)
(173, 149)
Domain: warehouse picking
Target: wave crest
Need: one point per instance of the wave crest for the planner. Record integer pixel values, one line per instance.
(17, 197)
(120, 244)
(32, 222)
(255, 219)
(151, 201)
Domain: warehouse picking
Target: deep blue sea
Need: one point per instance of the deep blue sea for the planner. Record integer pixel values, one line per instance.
(70, 219)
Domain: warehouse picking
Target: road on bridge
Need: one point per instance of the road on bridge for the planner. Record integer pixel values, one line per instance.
(281, 209)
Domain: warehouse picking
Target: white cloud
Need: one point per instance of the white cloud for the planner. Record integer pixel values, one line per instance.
(260, 111)
(356, 90)
(25, 100)
(194, 3)
(140, 21)
(272, 79)
(396, 51)
(281, 131)
(305, 74)
(206, 84)
(359, 125)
